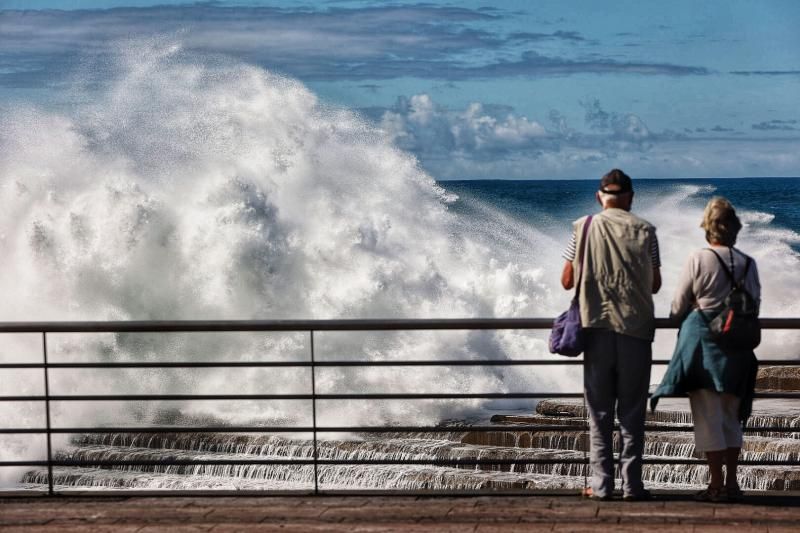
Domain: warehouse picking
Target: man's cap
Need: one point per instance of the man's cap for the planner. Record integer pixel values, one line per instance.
(620, 179)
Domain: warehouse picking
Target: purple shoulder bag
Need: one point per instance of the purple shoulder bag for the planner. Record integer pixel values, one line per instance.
(566, 337)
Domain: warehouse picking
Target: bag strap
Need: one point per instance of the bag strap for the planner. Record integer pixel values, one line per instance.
(724, 266)
(728, 271)
(734, 285)
(746, 268)
(580, 254)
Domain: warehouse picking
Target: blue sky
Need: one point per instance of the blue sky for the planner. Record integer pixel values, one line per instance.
(482, 89)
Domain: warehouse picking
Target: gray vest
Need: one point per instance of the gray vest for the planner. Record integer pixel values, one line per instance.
(617, 282)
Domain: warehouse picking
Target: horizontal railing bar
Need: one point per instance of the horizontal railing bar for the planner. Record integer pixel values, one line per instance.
(152, 326)
(343, 396)
(306, 364)
(765, 496)
(171, 364)
(275, 325)
(367, 429)
(372, 462)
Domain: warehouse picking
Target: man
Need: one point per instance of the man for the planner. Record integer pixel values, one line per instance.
(621, 272)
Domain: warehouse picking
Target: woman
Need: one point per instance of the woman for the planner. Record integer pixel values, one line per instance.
(720, 383)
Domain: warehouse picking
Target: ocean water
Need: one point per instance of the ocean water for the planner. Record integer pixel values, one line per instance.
(555, 203)
(768, 207)
(186, 189)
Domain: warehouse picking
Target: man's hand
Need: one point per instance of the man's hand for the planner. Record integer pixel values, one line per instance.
(568, 276)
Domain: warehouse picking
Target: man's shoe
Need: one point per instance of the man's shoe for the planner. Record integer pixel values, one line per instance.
(733, 494)
(588, 493)
(643, 496)
(711, 494)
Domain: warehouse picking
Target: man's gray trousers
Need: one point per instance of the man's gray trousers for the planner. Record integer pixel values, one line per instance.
(616, 371)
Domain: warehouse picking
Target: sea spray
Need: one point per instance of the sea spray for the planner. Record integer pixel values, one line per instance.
(185, 188)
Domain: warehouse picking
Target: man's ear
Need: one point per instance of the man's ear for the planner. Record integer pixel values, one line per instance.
(599, 200)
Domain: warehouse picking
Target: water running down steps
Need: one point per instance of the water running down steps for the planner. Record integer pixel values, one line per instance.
(505, 444)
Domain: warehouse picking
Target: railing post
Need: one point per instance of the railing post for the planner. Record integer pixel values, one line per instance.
(587, 443)
(314, 412)
(50, 491)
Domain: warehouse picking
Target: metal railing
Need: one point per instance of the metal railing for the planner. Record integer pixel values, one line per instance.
(310, 327)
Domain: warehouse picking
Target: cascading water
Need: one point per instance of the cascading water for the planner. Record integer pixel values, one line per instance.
(505, 444)
(178, 187)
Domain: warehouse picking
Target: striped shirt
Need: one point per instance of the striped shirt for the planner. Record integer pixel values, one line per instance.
(655, 256)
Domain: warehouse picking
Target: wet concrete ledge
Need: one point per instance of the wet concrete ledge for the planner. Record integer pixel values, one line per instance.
(669, 511)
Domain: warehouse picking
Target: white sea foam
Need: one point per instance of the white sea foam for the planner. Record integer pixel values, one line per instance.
(755, 217)
(188, 189)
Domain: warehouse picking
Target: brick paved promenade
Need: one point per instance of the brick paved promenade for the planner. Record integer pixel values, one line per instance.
(396, 513)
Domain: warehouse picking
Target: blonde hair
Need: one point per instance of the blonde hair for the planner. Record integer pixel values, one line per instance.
(720, 222)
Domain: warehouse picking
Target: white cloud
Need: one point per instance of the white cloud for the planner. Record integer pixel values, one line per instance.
(625, 127)
(419, 124)
(490, 141)
(630, 128)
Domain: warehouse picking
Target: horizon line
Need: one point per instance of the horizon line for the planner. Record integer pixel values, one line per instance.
(636, 179)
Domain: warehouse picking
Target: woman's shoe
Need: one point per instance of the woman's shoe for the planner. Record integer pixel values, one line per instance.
(733, 494)
(711, 494)
(587, 492)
